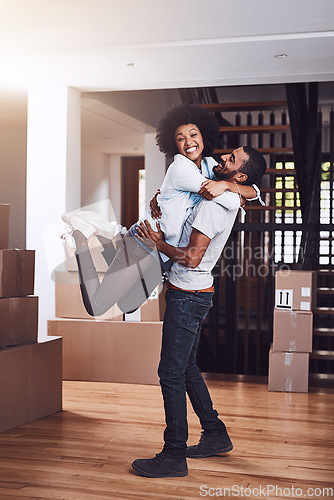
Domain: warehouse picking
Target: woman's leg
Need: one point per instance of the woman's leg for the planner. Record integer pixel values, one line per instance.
(131, 261)
(142, 289)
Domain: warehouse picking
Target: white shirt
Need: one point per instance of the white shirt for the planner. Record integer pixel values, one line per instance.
(214, 221)
(178, 195)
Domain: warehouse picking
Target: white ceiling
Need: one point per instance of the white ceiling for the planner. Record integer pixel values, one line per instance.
(89, 43)
(109, 45)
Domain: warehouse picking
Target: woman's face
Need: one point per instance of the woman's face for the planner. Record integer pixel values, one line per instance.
(189, 142)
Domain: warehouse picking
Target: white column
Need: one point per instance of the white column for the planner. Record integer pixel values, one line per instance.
(53, 176)
(155, 166)
(115, 186)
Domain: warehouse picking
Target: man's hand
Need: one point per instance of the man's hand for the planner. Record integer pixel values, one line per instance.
(147, 234)
(155, 209)
(211, 189)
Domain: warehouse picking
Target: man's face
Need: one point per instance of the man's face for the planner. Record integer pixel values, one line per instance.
(230, 164)
(189, 142)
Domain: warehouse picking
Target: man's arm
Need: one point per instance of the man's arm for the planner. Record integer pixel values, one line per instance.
(189, 256)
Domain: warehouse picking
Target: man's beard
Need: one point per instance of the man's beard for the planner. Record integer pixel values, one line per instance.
(224, 176)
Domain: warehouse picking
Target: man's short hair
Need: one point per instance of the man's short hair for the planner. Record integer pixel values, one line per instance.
(183, 115)
(254, 167)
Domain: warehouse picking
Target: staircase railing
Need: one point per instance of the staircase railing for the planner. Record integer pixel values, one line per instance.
(306, 139)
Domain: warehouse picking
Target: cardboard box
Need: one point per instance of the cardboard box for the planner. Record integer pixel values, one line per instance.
(69, 302)
(293, 331)
(154, 307)
(109, 351)
(30, 382)
(17, 272)
(46, 378)
(18, 321)
(96, 251)
(288, 371)
(26, 272)
(4, 225)
(296, 290)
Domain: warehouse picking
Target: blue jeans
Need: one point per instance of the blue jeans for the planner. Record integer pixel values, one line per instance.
(178, 372)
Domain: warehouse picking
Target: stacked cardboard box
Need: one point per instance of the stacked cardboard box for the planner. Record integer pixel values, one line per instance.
(30, 372)
(108, 348)
(109, 351)
(295, 298)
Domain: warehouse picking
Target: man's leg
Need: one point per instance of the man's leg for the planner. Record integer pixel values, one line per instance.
(183, 317)
(215, 438)
(200, 397)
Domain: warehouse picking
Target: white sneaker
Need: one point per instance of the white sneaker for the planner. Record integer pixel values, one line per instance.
(73, 223)
(102, 227)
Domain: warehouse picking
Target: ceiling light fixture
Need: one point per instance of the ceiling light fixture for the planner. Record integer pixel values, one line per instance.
(131, 64)
(281, 56)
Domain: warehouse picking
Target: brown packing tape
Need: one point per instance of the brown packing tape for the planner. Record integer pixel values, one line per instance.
(4, 225)
(18, 272)
(8, 272)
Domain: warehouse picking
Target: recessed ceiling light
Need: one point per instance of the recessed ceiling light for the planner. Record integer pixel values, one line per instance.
(281, 56)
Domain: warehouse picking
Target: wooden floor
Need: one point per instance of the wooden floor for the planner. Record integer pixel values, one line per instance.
(85, 452)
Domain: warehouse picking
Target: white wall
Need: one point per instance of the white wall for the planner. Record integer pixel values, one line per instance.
(53, 179)
(115, 185)
(13, 160)
(155, 166)
(94, 177)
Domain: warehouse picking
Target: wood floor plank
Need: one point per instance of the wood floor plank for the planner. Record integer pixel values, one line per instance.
(281, 440)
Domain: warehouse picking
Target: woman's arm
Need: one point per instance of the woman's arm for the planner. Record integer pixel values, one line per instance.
(210, 189)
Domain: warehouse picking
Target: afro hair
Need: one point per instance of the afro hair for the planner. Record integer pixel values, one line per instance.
(183, 115)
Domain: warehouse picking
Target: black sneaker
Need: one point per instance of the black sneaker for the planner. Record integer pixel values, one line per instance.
(161, 466)
(210, 444)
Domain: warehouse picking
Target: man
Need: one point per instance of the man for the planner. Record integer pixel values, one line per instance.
(188, 301)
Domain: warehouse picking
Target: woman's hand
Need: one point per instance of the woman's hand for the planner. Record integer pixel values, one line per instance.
(211, 189)
(155, 209)
(146, 233)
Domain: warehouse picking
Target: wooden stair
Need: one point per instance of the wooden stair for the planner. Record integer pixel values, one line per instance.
(245, 106)
(255, 129)
(322, 356)
(260, 130)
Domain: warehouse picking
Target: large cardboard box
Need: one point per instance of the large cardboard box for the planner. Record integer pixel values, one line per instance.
(153, 309)
(109, 351)
(18, 321)
(69, 302)
(293, 331)
(296, 290)
(17, 272)
(96, 251)
(30, 382)
(4, 225)
(288, 371)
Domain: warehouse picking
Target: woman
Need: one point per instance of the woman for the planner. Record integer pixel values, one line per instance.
(189, 132)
